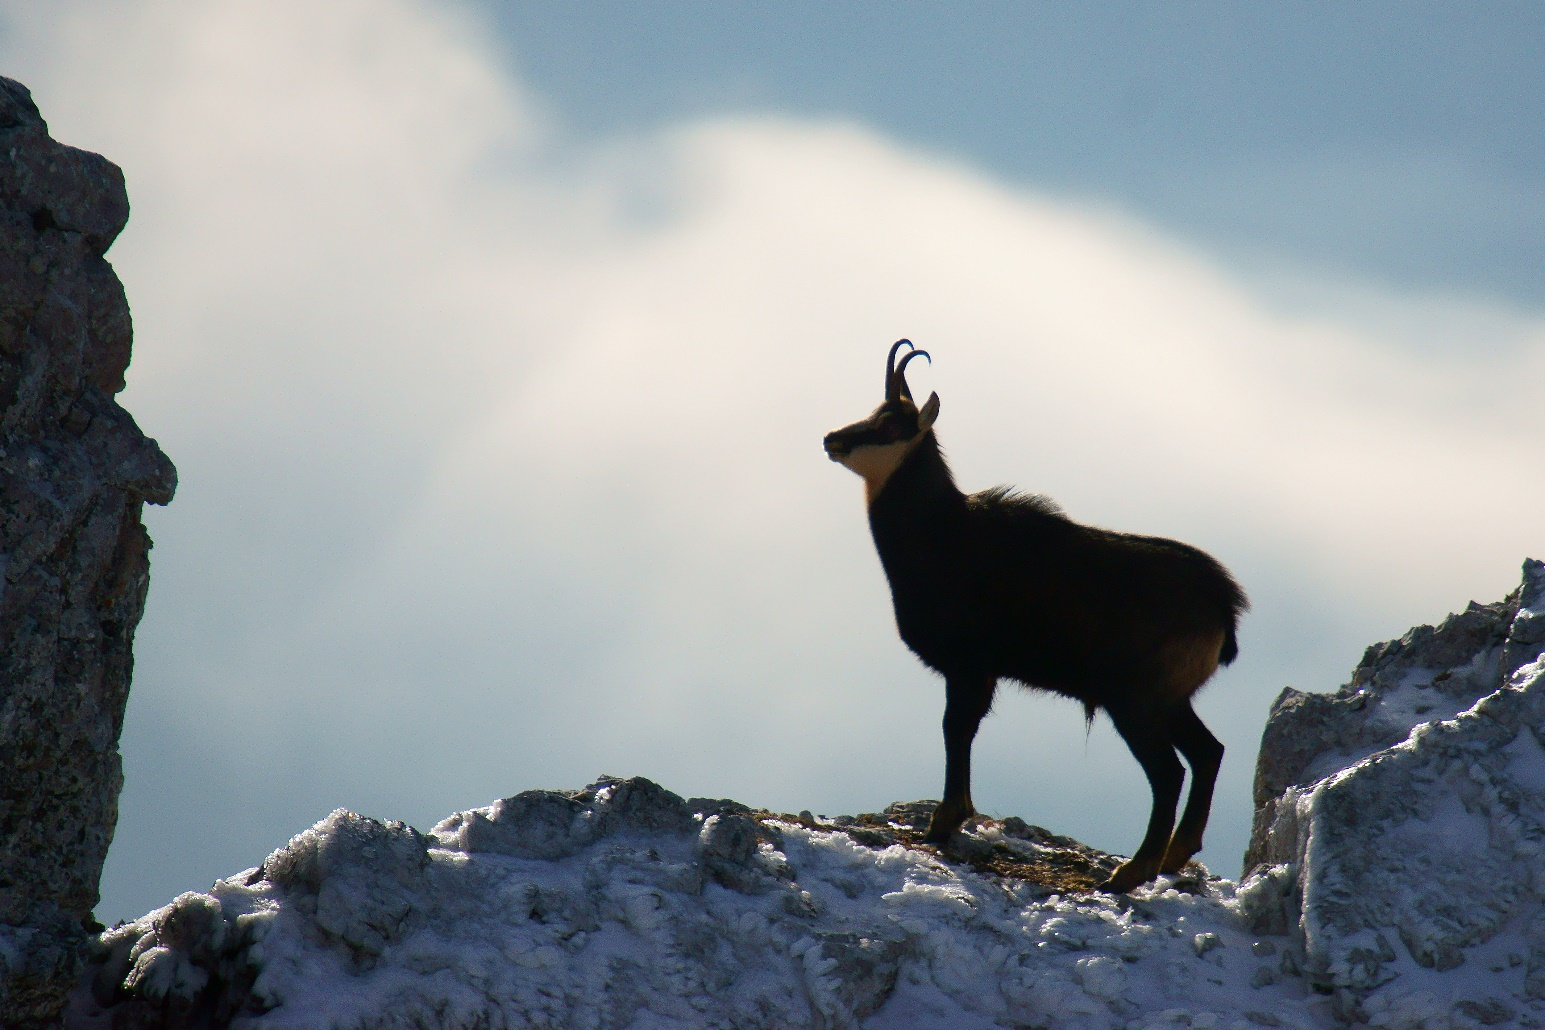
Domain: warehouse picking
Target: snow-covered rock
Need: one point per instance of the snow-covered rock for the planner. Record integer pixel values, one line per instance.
(1398, 883)
(623, 905)
(1400, 823)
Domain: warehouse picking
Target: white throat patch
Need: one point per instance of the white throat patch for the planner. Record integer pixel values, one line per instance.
(877, 462)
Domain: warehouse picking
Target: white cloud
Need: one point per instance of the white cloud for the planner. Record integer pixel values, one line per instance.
(501, 457)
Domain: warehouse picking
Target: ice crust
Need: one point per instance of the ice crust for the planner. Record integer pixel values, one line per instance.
(1397, 883)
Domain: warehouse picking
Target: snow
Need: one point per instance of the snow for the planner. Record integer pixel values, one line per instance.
(1405, 891)
(358, 923)
(655, 915)
(1411, 877)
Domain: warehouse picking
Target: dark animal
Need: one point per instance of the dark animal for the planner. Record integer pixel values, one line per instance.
(998, 585)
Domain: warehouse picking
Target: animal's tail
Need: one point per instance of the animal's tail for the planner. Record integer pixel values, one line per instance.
(1230, 649)
(1238, 604)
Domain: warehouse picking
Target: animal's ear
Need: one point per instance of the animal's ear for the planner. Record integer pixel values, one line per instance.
(929, 412)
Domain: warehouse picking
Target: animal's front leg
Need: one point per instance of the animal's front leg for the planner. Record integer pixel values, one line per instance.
(967, 699)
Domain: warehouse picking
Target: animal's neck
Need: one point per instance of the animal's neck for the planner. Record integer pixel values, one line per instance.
(921, 487)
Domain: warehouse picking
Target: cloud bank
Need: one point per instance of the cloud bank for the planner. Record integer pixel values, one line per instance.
(500, 450)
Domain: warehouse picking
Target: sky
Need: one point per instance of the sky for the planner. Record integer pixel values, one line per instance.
(494, 345)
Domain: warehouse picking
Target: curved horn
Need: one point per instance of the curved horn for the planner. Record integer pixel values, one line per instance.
(891, 393)
(901, 373)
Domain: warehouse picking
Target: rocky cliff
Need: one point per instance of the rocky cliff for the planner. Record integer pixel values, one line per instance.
(74, 473)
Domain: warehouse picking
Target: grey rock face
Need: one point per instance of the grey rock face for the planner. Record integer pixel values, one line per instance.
(74, 473)
(1400, 821)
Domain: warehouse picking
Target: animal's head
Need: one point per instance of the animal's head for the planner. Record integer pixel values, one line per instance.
(876, 446)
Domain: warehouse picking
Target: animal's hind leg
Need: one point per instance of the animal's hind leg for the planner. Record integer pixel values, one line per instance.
(1204, 754)
(967, 699)
(1147, 735)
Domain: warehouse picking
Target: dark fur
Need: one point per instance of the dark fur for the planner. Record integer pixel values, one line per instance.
(997, 585)
(1005, 584)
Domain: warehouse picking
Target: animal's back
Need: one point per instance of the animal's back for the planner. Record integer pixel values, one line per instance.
(1074, 608)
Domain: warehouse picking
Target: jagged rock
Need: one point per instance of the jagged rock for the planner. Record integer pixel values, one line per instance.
(356, 877)
(74, 473)
(1310, 736)
(533, 824)
(1400, 821)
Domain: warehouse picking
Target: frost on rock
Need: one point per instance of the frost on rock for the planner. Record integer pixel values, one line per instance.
(1400, 823)
(624, 905)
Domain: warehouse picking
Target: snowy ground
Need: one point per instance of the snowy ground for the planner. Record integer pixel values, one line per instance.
(620, 906)
(1399, 884)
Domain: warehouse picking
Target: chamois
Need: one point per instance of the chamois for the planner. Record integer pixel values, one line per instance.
(999, 585)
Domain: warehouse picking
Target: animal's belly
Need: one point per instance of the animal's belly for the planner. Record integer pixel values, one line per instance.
(1051, 660)
(949, 643)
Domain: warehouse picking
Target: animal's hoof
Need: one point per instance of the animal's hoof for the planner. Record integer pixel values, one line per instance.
(940, 831)
(1129, 875)
(945, 821)
(938, 835)
(1176, 857)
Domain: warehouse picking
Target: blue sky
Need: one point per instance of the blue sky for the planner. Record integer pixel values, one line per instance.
(1394, 143)
(495, 344)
